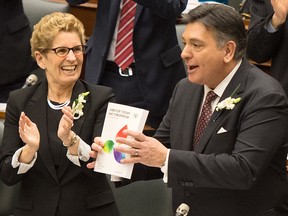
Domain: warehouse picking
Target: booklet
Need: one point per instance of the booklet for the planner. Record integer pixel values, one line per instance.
(118, 118)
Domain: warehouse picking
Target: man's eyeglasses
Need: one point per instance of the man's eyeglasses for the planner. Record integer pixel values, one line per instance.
(63, 51)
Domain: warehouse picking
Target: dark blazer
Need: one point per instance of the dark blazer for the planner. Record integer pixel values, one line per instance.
(263, 45)
(16, 61)
(156, 50)
(238, 173)
(73, 190)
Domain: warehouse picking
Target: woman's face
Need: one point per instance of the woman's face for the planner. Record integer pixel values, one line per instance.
(63, 71)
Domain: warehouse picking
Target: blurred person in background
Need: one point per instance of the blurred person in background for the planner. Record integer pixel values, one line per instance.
(268, 40)
(16, 62)
(155, 63)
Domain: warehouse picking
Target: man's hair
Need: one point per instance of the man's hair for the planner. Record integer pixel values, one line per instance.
(50, 25)
(223, 21)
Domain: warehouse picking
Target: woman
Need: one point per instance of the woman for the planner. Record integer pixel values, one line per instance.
(46, 143)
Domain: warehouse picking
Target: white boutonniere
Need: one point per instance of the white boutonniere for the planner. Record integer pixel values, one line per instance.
(228, 103)
(77, 106)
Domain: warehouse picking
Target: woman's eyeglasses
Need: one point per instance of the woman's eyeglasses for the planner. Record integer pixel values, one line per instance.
(63, 51)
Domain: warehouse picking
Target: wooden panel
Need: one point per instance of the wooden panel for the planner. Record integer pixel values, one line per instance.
(2, 115)
(86, 13)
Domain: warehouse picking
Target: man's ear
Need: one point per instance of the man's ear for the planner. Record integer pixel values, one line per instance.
(230, 49)
(39, 59)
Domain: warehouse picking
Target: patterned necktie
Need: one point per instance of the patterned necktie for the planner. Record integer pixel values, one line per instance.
(124, 47)
(204, 117)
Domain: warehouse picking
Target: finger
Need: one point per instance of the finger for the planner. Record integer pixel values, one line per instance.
(91, 165)
(99, 141)
(96, 147)
(136, 134)
(68, 111)
(131, 160)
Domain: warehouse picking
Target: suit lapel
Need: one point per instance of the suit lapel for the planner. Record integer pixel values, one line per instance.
(194, 99)
(217, 116)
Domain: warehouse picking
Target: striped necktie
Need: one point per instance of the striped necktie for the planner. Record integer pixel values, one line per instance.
(124, 47)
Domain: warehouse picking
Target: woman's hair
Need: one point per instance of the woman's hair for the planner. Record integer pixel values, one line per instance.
(50, 25)
(223, 21)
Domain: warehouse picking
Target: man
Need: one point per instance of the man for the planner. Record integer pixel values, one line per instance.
(268, 39)
(156, 66)
(16, 61)
(237, 167)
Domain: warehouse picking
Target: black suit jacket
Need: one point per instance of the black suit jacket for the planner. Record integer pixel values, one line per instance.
(73, 190)
(263, 45)
(241, 172)
(156, 49)
(16, 61)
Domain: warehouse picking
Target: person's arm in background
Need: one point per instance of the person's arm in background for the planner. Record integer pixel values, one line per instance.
(262, 44)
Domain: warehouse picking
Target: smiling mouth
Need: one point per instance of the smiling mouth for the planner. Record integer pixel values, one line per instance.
(69, 68)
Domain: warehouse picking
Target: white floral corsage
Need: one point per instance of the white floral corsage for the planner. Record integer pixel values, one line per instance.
(77, 106)
(228, 103)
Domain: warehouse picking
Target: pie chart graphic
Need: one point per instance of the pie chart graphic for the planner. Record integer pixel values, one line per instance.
(109, 145)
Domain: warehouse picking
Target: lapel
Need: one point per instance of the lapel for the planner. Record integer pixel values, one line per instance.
(78, 89)
(139, 9)
(188, 100)
(194, 100)
(113, 13)
(217, 116)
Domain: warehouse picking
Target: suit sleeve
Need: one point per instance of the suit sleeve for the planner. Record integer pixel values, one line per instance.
(164, 8)
(76, 2)
(10, 143)
(262, 45)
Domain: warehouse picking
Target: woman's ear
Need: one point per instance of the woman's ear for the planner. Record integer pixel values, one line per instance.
(230, 49)
(39, 59)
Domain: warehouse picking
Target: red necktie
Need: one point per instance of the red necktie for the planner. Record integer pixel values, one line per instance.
(204, 117)
(124, 47)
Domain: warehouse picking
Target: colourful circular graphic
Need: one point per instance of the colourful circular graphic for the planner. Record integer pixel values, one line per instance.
(118, 155)
(108, 146)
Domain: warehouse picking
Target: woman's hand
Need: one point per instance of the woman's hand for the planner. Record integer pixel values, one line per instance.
(30, 135)
(66, 123)
(95, 148)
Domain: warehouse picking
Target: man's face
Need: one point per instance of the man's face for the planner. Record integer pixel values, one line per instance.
(203, 58)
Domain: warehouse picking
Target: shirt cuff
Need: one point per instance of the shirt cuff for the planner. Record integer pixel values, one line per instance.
(115, 178)
(23, 167)
(164, 168)
(83, 153)
(269, 27)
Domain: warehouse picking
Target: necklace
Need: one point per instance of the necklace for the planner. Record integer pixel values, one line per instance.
(58, 107)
